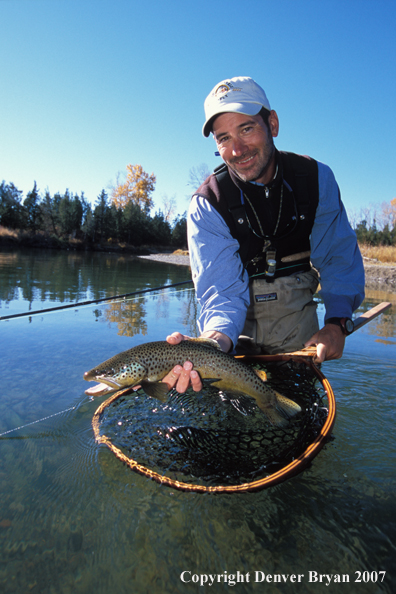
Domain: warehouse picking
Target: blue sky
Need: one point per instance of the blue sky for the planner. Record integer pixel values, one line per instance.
(90, 86)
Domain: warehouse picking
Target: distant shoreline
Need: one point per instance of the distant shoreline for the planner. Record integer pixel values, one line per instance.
(380, 276)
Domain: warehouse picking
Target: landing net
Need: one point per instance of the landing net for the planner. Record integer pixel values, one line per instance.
(212, 441)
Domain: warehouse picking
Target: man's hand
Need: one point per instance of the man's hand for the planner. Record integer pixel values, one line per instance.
(182, 378)
(329, 342)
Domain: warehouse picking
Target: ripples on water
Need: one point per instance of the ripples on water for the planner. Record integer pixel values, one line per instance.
(73, 519)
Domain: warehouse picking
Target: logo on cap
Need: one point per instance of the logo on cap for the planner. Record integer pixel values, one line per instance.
(222, 89)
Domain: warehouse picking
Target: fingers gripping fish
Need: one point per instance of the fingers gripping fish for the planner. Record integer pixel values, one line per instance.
(147, 364)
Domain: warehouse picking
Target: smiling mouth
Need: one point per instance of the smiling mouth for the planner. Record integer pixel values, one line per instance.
(245, 161)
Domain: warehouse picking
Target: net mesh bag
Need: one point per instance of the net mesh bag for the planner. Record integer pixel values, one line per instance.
(217, 441)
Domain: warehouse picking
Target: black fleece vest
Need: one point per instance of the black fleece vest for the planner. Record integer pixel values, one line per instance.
(286, 206)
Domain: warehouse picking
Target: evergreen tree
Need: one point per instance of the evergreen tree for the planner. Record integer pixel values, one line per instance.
(101, 217)
(70, 214)
(134, 224)
(50, 213)
(179, 231)
(33, 212)
(114, 216)
(160, 231)
(85, 208)
(88, 225)
(11, 209)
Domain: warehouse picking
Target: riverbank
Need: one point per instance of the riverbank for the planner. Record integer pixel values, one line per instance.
(379, 276)
(181, 259)
(10, 238)
(380, 269)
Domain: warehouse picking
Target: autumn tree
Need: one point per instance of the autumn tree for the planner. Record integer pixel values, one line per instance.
(136, 189)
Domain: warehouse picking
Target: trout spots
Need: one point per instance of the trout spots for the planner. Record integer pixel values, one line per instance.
(153, 361)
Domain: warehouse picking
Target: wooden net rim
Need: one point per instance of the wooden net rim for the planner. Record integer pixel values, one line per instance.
(291, 469)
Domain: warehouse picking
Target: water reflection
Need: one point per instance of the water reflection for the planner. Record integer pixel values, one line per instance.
(385, 324)
(29, 279)
(130, 315)
(74, 519)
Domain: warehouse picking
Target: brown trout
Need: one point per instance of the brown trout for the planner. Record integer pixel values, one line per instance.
(147, 364)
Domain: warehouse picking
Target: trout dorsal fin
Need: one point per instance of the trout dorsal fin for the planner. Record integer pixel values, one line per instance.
(207, 342)
(262, 375)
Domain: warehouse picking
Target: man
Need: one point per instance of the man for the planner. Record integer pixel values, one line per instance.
(260, 230)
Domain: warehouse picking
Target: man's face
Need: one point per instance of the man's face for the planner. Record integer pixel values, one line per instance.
(246, 144)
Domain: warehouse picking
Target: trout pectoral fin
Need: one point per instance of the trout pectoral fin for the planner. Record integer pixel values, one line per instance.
(157, 390)
(209, 381)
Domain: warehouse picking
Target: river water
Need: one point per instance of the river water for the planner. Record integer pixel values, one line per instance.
(73, 519)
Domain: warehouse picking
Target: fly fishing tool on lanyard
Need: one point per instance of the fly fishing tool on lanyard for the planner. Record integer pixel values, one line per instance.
(222, 444)
(270, 253)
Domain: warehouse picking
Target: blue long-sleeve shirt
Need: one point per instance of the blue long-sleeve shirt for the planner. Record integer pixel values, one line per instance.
(222, 283)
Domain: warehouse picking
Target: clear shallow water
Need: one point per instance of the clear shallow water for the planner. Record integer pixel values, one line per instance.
(74, 519)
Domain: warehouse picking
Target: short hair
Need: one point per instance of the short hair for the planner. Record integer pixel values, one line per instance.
(265, 114)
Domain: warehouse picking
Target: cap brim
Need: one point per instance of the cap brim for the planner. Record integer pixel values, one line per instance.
(244, 108)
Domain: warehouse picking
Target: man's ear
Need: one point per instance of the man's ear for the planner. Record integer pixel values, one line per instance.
(273, 123)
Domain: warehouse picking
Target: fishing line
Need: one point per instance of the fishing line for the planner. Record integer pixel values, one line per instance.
(38, 421)
(75, 407)
(121, 297)
(93, 301)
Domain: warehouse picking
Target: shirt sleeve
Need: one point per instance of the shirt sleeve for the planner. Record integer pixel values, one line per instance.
(335, 252)
(220, 280)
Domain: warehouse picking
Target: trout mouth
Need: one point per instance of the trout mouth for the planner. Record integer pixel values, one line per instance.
(103, 387)
(99, 390)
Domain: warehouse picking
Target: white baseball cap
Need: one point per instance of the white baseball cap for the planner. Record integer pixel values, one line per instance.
(239, 95)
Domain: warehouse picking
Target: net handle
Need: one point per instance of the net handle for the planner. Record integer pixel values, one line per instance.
(293, 468)
(364, 319)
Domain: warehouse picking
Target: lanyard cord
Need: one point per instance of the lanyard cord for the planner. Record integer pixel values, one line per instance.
(263, 235)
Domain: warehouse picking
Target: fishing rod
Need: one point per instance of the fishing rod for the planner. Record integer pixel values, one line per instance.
(93, 301)
(309, 351)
